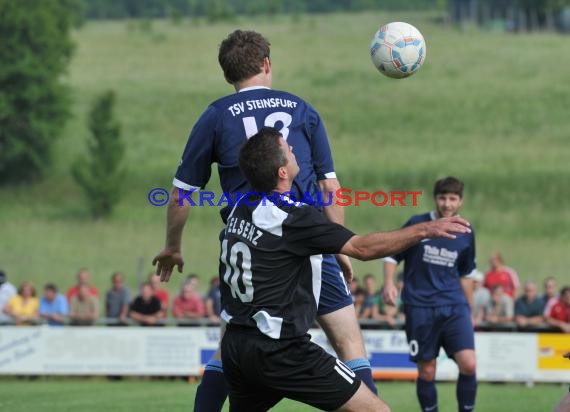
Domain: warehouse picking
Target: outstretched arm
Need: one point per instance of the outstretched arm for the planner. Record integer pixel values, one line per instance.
(176, 216)
(381, 244)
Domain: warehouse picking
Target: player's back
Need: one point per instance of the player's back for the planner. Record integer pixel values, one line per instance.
(229, 121)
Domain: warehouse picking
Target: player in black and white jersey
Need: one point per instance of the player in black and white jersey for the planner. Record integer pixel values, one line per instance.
(270, 289)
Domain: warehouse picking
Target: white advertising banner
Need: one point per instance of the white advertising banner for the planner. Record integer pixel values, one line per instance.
(517, 357)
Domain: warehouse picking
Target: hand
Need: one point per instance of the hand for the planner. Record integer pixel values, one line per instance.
(567, 355)
(346, 267)
(166, 260)
(445, 227)
(390, 294)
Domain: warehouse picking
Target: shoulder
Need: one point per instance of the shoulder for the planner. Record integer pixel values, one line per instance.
(424, 217)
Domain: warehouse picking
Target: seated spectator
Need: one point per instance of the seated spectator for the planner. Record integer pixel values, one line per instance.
(117, 301)
(385, 312)
(501, 308)
(481, 297)
(53, 306)
(500, 274)
(371, 297)
(84, 307)
(559, 315)
(23, 307)
(82, 279)
(529, 307)
(353, 286)
(189, 304)
(214, 300)
(146, 308)
(359, 296)
(7, 291)
(550, 295)
(162, 294)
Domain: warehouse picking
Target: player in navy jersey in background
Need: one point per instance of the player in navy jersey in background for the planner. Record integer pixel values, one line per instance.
(438, 298)
(216, 138)
(270, 289)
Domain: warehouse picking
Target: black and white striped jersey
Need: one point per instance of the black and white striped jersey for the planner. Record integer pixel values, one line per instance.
(270, 264)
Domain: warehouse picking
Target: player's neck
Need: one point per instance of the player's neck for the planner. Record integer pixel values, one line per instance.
(259, 80)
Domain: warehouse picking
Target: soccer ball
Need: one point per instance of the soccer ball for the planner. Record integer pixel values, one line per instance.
(398, 50)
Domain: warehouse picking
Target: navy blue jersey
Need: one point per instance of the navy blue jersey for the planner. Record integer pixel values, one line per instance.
(433, 267)
(229, 121)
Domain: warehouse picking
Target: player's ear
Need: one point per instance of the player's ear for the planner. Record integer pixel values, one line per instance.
(282, 173)
(266, 65)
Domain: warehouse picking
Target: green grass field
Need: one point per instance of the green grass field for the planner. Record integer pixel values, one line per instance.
(491, 108)
(97, 395)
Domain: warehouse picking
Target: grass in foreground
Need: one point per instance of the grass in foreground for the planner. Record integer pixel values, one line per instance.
(87, 395)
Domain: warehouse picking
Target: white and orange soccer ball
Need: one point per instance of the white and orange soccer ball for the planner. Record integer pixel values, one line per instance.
(398, 50)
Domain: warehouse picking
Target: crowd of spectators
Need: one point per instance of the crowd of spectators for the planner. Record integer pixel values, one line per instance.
(82, 305)
(497, 303)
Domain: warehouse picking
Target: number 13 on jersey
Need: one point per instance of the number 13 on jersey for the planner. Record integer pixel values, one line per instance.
(250, 124)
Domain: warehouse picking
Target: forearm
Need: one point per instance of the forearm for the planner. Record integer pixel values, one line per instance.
(389, 272)
(382, 244)
(467, 286)
(176, 217)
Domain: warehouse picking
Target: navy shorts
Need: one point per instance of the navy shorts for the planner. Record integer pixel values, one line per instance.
(335, 294)
(429, 329)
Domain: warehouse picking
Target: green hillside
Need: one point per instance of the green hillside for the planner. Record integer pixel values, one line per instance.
(490, 108)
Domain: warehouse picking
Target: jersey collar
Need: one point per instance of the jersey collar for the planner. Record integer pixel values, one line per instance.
(246, 89)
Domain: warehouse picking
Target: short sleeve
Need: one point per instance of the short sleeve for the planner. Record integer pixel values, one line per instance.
(194, 170)
(307, 232)
(320, 149)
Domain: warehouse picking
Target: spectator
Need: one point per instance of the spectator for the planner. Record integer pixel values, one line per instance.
(189, 304)
(7, 291)
(162, 294)
(500, 274)
(214, 300)
(146, 308)
(501, 308)
(82, 279)
(529, 308)
(481, 297)
(371, 297)
(84, 307)
(117, 301)
(353, 286)
(385, 312)
(23, 307)
(54, 308)
(359, 296)
(550, 295)
(559, 315)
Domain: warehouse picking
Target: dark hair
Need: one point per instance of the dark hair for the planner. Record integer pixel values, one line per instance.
(192, 276)
(241, 55)
(448, 185)
(50, 286)
(116, 275)
(260, 159)
(368, 276)
(564, 290)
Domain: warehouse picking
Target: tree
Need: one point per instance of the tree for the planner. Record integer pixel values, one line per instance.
(101, 176)
(35, 50)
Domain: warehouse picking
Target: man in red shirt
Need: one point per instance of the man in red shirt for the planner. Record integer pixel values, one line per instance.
(559, 315)
(161, 294)
(82, 279)
(501, 274)
(189, 304)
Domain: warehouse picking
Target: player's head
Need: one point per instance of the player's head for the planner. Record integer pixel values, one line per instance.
(448, 196)
(244, 54)
(267, 160)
